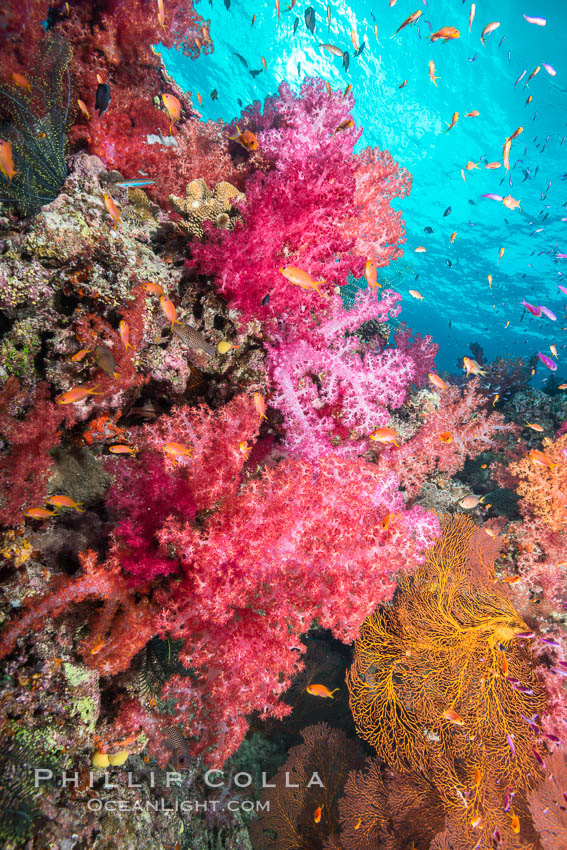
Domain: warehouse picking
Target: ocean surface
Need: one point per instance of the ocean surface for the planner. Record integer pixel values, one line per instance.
(459, 304)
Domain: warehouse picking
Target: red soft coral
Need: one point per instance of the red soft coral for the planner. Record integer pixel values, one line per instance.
(25, 461)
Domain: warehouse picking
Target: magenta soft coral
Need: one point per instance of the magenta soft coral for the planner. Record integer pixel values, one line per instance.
(25, 461)
(332, 389)
(304, 211)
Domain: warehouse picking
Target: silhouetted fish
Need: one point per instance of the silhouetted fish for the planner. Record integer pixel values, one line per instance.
(447, 212)
(360, 49)
(346, 60)
(214, 95)
(103, 98)
(255, 73)
(310, 19)
(266, 300)
(242, 59)
(429, 230)
(227, 4)
(295, 25)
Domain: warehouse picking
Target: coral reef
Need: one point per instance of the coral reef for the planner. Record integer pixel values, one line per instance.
(201, 204)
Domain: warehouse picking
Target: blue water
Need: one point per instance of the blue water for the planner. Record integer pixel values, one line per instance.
(458, 306)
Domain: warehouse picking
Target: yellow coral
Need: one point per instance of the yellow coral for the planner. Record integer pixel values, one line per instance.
(16, 548)
(200, 205)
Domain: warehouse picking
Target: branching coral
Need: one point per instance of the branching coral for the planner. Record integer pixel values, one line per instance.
(442, 682)
(311, 779)
(297, 213)
(36, 125)
(472, 431)
(547, 803)
(544, 487)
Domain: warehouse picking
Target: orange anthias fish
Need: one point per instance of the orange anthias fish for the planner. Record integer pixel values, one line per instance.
(506, 154)
(7, 160)
(553, 350)
(112, 209)
(84, 109)
(384, 435)
(21, 81)
(154, 288)
(122, 449)
(432, 76)
(321, 691)
(39, 513)
(317, 814)
(534, 73)
(245, 448)
(472, 367)
(260, 405)
(420, 250)
(511, 203)
(492, 165)
(76, 394)
(344, 125)
(264, 63)
(453, 716)
(415, 16)
(61, 501)
(172, 107)
(247, 139)
(445, 33)
(516, 133)
(489, 28)
(446, 437)
(278, 8)
(124, 332)
(175, 450)
(300, 278)
(541, 459)
(415, 294)
(515, 823)
(453, 122)
(370, 275)
(453, 237)
(470, 165)
(471, 16)
(437, 381)
(76, 358)
(169, 310)
(501, 254)
(332, 48)
(534, 426)
(474, 114)
(161, 13)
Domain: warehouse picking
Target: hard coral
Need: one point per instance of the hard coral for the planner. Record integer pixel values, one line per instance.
(201, 204)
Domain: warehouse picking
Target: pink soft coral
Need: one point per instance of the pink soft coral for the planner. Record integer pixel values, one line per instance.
(331, 389)
(472, 430)
(302, 212)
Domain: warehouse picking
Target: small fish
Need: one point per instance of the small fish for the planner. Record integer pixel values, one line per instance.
(21, 81)
(511, 203)
(501, 254)
(354, 39)
(547, 361)
(489, 28)
(241, 58)
(84, 109)
(344, 125)
(415, 16)
(105, 359)
(403, 84)
(7, 160)
(445, 33)
(470, 502)
(76, 394)
(124, 332)
(154, 288)
(193, 338)
(329, 15)
(263, 61)
(360, 50)
(447, 212)
(453, 237)
(420, 250)
(80, 355)
(539, 22)
(134, 184)
(175, 450)
(370, 275)
(471, 16)
(506, 154)
(470, 165)
(346, 60)
(61, 501)
(102, 98)
(245, 449)
(112, 209)
(168, 309)
(490, 281)
(432, 76)
(247, 139)
(453, 122)
(534, 426)
(517, 132)
(549, 314)
(321, 691)
(453, 716)
(437, 381)
(260, 405)
(295, 25)
(122, 449)
(384, 435)
(277, 5)
(492, 165)
(415, 294)
(173, 108)
(317, 814)
(446, 437)
(535, 311)
(476, 822)
(300, 278)
(40, 513)
(541, 459)
(472, 367)
(474, 114)
(224, 346)
(310, 19)
(161, 13)
(265, 300)
(534, 73)
(553, 350)
(428, 229)
(550, 69)
(358, 823)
